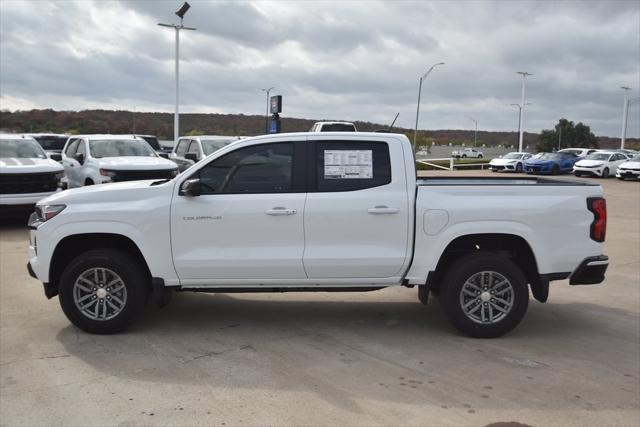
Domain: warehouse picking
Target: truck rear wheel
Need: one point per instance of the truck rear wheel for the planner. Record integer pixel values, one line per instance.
(484, 295)
(102, 291)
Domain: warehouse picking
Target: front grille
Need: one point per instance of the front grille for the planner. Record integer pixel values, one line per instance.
(139, 175)
(22, 183)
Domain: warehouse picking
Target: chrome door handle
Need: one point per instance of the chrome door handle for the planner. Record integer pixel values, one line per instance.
(280, 210)
(381, 209)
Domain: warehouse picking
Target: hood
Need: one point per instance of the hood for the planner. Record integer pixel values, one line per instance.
(127, 191)
(135, 163)
(29, 165)
(588, 163)
(502, 162)
(630, 165)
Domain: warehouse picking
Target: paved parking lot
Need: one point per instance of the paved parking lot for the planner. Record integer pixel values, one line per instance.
(329, 359)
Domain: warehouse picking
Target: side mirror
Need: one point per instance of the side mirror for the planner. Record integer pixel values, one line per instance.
(55, 156)
(191, 187)
(163, 154)
(79, 157)
(191, 156)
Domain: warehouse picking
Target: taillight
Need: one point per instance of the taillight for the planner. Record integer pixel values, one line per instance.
(598, 206)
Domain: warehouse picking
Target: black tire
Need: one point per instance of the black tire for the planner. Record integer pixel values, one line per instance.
(578, 174)
(132, 276)
(605, 173)
(479, 156)
(464, 156)
(88, 182)
(466, 268)
(555, 170)
(519, 168)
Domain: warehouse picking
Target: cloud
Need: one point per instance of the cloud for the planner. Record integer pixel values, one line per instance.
(345, 60)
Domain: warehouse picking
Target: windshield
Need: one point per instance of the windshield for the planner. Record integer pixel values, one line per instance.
(212, 145)
(120, 148)
(153, 142)
(21, 148)
(598, 156)
(635, 158)
(338, 127)
(551, 156)
(512, 156)
(51, 142)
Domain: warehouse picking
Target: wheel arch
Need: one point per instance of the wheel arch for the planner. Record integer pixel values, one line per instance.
(507, 245)
(73, 245)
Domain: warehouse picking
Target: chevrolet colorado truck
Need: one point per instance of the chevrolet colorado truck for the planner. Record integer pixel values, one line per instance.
(317, 212)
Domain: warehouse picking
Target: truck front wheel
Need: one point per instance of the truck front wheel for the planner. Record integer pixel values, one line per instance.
(484, 295)
(102, 291)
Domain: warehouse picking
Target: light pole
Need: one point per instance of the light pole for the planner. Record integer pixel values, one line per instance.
(266, 114)
(415, 132)
(522, 104)
(625, 113)
(176, 117)
(475, 136)
(520, 115)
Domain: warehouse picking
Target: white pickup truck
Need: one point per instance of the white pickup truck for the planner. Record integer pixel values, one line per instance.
(317, 212)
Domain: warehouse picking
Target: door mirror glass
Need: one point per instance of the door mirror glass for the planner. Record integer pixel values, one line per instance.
(191, 187)
(79, 157)
(191, 156)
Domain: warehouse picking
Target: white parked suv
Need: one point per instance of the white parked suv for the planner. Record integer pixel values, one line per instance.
(339, 211)
(599, 163)
(629, 169)
(192, 149)
(512, 162)
(333, 127)
(98, 159)
(27, 174)
(467, 152)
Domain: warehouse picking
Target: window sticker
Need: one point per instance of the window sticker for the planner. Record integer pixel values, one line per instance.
(346, 164)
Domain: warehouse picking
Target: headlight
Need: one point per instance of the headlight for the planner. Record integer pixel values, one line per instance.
(46, 212)
(106, 172)
(174, 172)
(59, 176)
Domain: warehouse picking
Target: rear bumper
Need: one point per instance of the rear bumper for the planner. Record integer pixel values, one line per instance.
(590, 271)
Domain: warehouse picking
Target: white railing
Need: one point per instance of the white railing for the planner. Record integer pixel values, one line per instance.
(452, 165)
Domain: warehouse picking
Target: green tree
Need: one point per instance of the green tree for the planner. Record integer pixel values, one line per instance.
(567, 134)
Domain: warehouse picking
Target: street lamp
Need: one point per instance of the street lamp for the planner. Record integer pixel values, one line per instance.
(180, 12)
(520, 115)
(522, 103)
(415, 132)
(266, 115)
(625, 114)
(475, 136)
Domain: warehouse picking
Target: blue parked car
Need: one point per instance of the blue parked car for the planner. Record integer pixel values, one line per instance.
(551, 163)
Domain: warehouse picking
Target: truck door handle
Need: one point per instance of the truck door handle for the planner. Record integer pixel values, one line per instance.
(381, 209)
(280, 210)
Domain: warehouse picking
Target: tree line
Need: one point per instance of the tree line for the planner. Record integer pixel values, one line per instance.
(161, 125)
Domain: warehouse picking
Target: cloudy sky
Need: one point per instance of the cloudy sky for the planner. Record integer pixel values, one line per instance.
(345, 60)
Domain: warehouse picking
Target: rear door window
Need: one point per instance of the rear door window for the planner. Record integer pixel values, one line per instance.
(350, 165)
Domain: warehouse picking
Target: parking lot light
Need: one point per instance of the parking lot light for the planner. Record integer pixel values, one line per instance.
(415, 132)
(180, 12)
(475, 136)
(522, 104)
